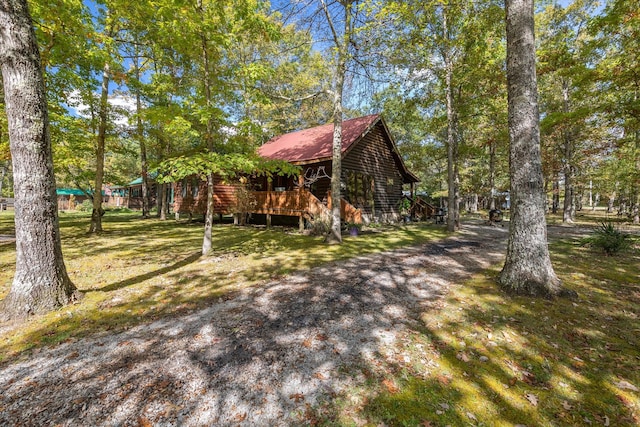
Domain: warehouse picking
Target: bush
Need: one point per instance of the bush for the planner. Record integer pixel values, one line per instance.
(320, 225)
(609, 238)
(85, 206)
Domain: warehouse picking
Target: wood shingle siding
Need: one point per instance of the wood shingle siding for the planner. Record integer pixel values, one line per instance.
(372, 177)
(372, 157)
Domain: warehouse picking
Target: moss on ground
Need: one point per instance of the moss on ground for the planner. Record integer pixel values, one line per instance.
(137, 270)
(480, 358)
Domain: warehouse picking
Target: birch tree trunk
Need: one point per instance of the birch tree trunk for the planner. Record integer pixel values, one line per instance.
(208, 218)
(41, 282)
(341, 42)
(527, 269)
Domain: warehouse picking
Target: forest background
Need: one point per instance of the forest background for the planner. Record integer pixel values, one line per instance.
(138, 84)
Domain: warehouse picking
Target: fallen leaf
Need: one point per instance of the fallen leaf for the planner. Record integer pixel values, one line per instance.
(426, 424)
(443, 380)
(390, 386)
(566, 405)
(321, 337)
(471, 416)
(240, 417)
(297, 397)
(532, 398)
(626, 385)
(513, 381)
(144, 422)
(307, 343)
(444, 406)
(319, 376)
(606, 421)
(462, 356)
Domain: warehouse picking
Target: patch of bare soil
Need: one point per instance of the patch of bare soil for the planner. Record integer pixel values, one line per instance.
(261, 357)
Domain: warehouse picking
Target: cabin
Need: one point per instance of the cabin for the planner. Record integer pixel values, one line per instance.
(372, 177)
(69, 198)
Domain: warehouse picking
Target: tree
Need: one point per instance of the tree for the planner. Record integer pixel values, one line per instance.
(618, 45)
(454, 77)
(40, 282)
(527, 269)
(566, 81)
(341, 38)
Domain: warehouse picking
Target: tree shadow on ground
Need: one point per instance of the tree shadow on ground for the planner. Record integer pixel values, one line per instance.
(278, 354)
(141, 278)
(521, 361)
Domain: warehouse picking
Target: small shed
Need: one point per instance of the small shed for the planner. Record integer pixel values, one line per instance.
(70, 198)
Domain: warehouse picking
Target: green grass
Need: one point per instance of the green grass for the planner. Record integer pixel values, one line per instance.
(484, 358)
(141, 270)
(480, 358)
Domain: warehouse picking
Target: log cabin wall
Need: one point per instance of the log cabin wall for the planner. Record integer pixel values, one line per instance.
(321, 187)
(369, 168)
(135, 195)
(191, 196)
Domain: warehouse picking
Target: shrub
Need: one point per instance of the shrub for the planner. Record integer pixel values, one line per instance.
(609, 238)
(85, 206)
(320, 225)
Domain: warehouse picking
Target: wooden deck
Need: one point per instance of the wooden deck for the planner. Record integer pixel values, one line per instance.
(300, 203)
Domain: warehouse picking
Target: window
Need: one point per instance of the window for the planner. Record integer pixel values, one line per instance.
(184, 187)
(359, 189)
(194, 187)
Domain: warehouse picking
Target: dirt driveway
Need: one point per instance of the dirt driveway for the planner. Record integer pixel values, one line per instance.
(261, 357)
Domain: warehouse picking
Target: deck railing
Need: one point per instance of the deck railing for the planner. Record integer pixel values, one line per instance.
(299, 203)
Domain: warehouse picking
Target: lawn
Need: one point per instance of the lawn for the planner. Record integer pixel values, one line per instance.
(140, 270)
(484, 358)
(480, 358)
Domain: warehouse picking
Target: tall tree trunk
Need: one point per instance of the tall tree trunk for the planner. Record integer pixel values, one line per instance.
(492, 172)
(335, 235)
(97, 211)
(144, 168)
(342, 44)
(208, 218)
(3, 168)
(474, 203)
(163, 202)
(527, 269)
(40, 282)
(611, 202)
(568, 212)
(555, 203)
(453, 214)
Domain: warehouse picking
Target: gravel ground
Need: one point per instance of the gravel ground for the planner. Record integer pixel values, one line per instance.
(262, 357)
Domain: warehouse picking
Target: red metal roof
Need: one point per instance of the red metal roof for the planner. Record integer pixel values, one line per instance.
(314, 144)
